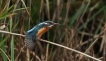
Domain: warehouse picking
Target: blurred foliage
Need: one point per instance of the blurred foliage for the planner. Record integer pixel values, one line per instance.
(82, 28)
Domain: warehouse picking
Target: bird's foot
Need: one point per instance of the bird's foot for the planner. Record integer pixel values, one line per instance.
(39, 39)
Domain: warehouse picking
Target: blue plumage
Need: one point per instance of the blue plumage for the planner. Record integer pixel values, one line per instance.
(31, 35)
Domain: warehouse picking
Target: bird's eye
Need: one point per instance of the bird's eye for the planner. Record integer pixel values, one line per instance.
(50, 23)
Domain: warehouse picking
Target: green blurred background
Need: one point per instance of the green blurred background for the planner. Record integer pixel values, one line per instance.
(82, 28)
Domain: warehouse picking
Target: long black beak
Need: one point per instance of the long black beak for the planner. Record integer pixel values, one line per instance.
(56, 24)
(53, 24)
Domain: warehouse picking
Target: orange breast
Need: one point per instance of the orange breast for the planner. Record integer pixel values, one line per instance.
(42, 31)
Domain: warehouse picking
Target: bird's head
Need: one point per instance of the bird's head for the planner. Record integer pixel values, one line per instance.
(48, 24)
(44, 27)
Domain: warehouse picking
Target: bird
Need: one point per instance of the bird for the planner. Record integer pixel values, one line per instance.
(36, 32)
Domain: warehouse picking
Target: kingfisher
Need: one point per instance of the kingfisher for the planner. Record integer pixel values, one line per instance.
(36, 32)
